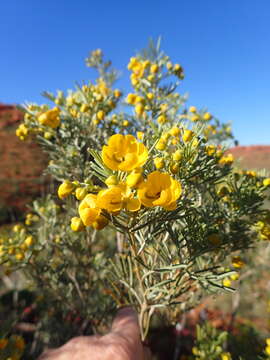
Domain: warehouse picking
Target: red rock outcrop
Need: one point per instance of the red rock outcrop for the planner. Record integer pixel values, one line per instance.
(21, 163)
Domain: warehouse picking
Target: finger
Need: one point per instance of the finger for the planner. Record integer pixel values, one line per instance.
(126, 324)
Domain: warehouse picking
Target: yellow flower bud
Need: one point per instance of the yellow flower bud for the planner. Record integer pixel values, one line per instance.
(80, 193)
(193, 109)
(100, 115)
(134, 179)
(159, 163)
(237, 262)
(188, 135)
(234, 277)
(162, 119)
(174, 168)
(266, 182)
(19, 256)
(140, 135)
(84, 108)
(111, 180)
(161, 145)
(154, 69)
(131, 99)
(175, 131)
(150, 96)
(29, 241)
(207, 116)
(226, 282)
(48, 135)
(177, 155)
(169, 65)
(139, 109)
(125, 123)
(65, 189)
(117, 93)
(77, 224)
(195, 118)
(150, 77)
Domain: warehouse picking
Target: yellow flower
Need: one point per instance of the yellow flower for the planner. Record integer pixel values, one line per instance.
(124, 153)
(210, 150)
(160, 189)
(207, 116)
(234, 277)
(134, 178)
(100, 115)
(154, 68)
(162, 119)
(193, 109)
(76, 224)
(177, 155)
(226, 356)
(266, 182)
(140, 135)
(65, 189)
(84, 108)
(174, 168)
(80, 193)
(117, 93)
(237, 262)
(29, 241)
(111, 180)
(131, 99)
(19, 256)
(188, 135)
(267, 350)
(161, 145)
(117, 197)
(139, 109)
(226, 159)
(175, 131)
(22, 130)
(226, 282)
(159, 163)
(195, 118)
(169, 65)
(150, 96)
(50, 118)
(88, 210)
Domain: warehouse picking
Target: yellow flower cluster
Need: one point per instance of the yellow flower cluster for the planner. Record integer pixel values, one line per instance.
(22, 131)
(127, 189)
(50, 118)
(226, 159)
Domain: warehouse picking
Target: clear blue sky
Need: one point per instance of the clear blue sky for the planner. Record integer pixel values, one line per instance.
(224, 47)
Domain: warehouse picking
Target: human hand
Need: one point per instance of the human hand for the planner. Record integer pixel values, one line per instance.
(122, 343)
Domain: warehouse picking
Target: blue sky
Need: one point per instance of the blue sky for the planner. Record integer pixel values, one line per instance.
(223, 46)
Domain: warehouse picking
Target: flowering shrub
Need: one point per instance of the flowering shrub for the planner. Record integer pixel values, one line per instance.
(157, 208)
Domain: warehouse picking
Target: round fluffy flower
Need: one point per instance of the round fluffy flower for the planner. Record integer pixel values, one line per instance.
(124, 153)
(160, 189)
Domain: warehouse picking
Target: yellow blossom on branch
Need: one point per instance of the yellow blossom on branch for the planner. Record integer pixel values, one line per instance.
(160, 189)
(124, 153)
